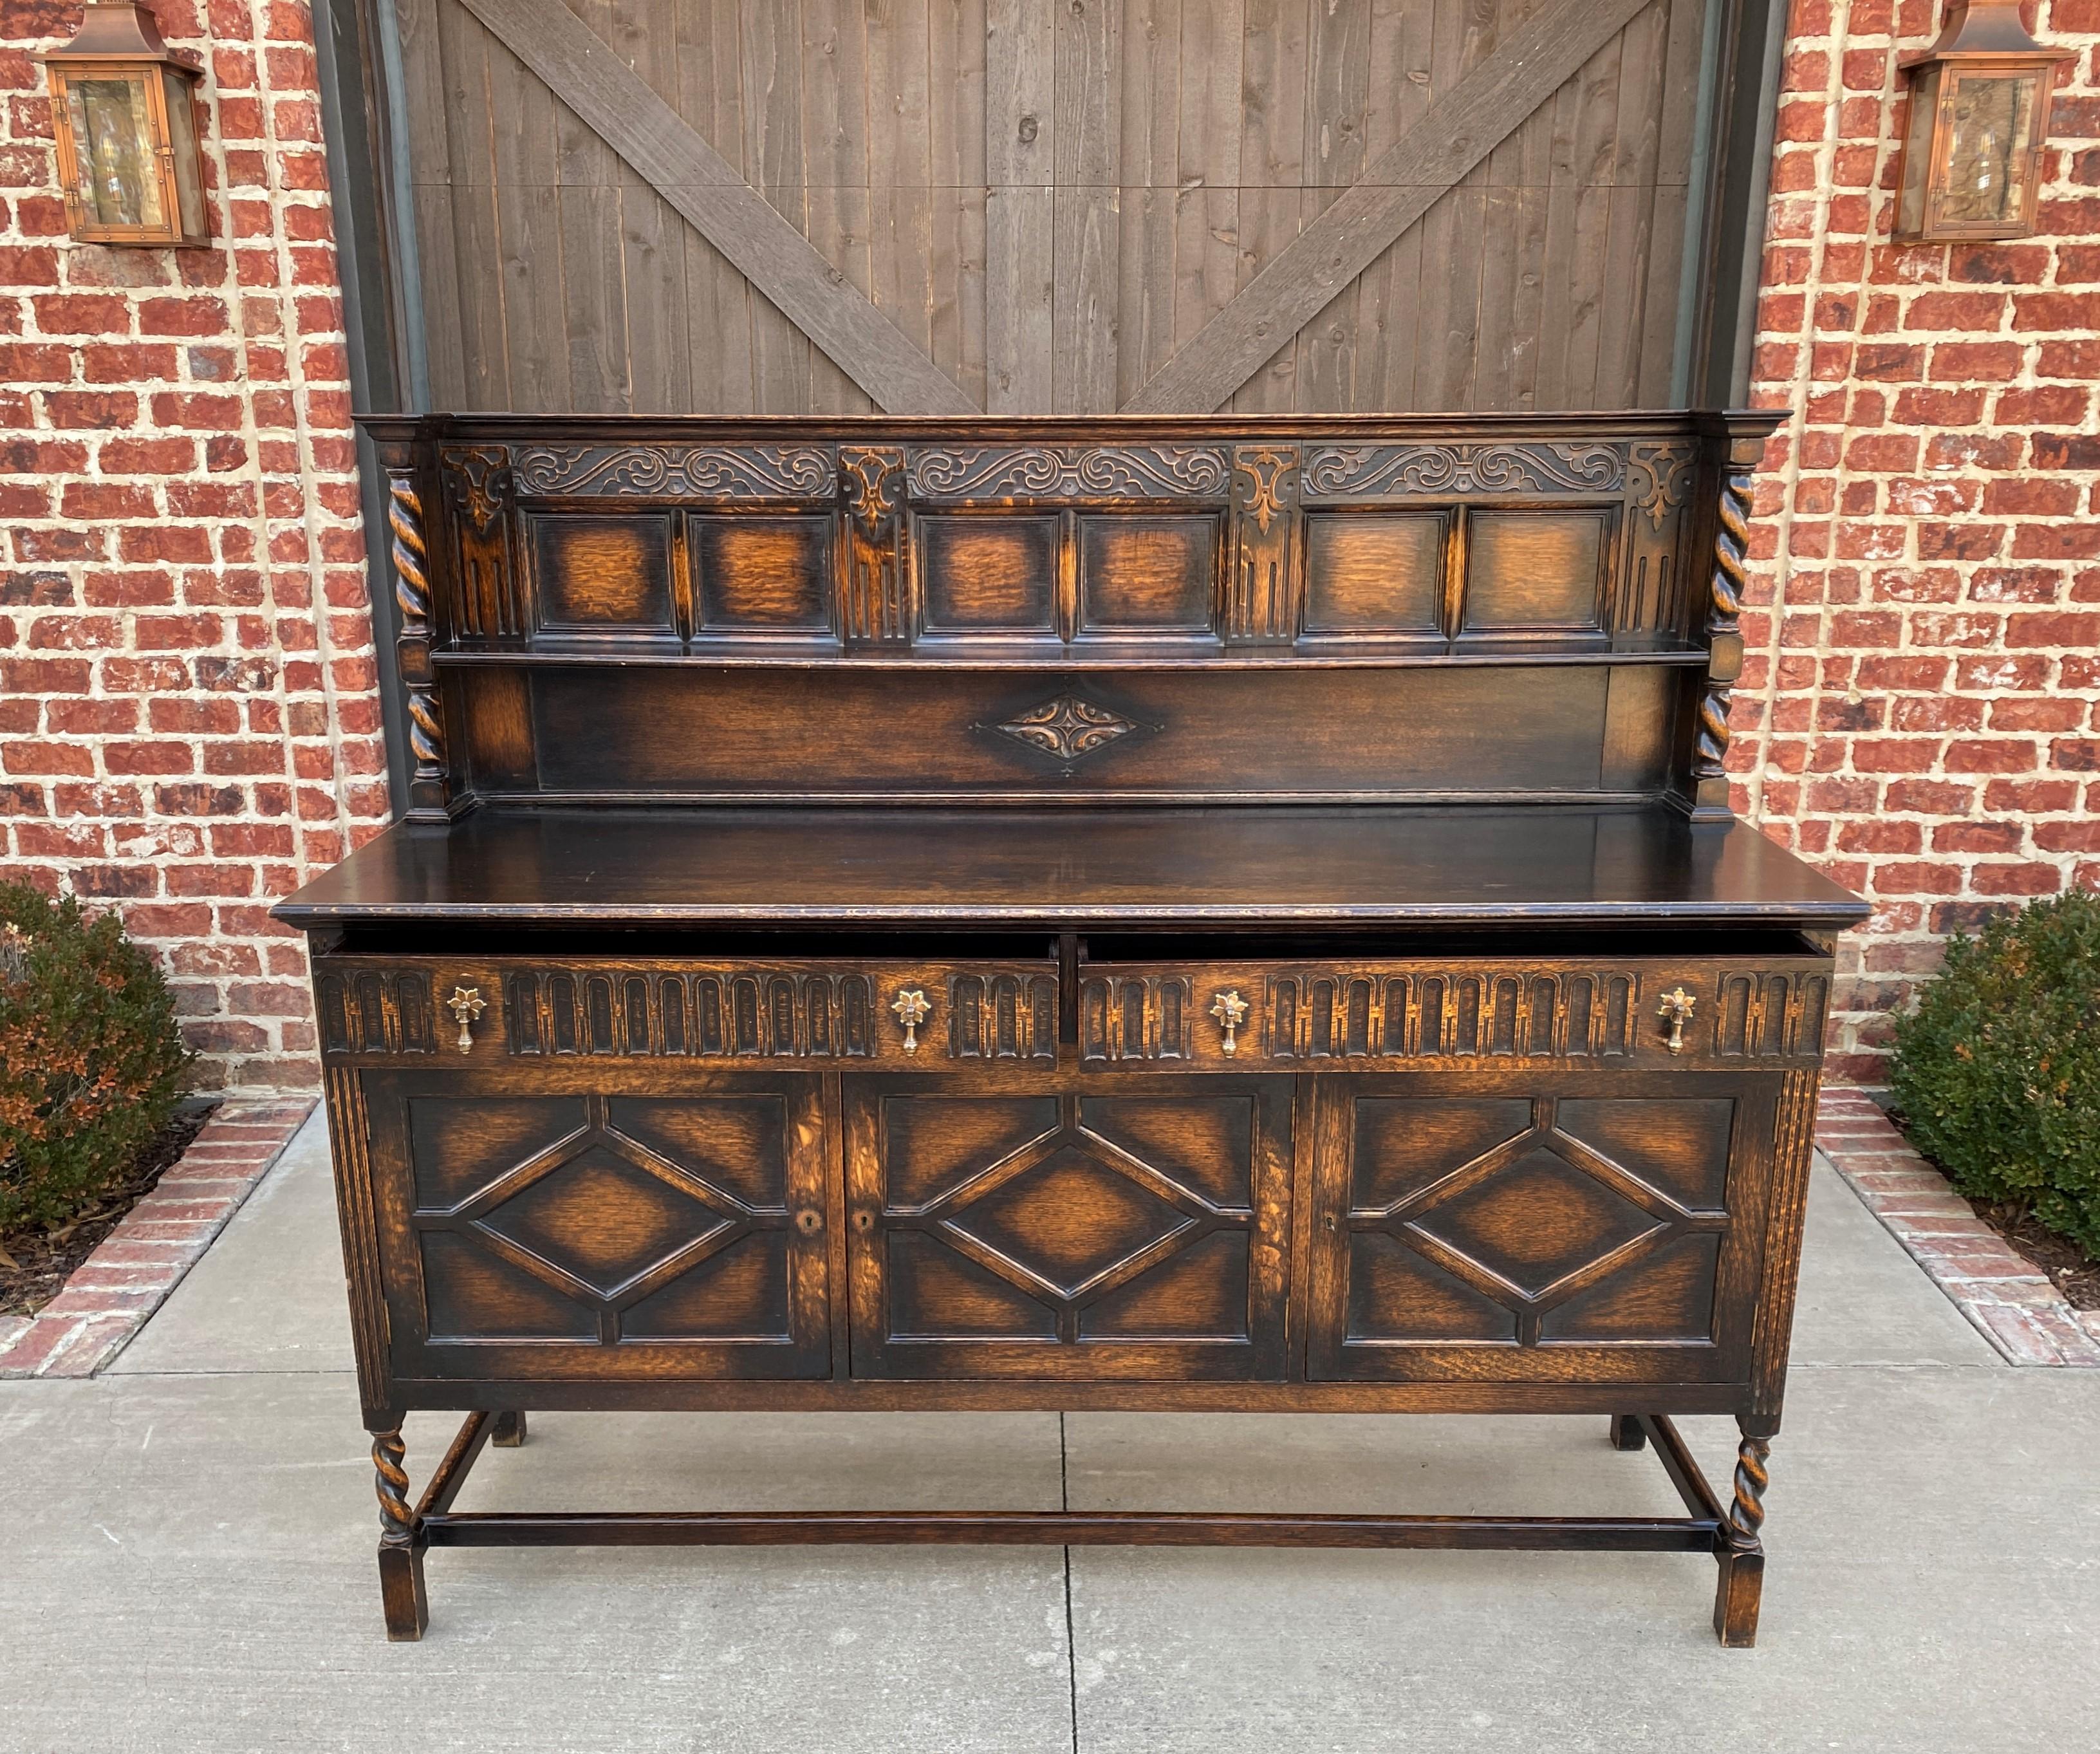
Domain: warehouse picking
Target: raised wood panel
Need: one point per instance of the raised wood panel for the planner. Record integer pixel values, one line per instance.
(1376, 572)
(984, 574)
(1173, 150)
(1082, 1231)
(1277, 733)
(603, 574)
(1536, 571)
(761, 575)
(1508, 1232)
(631, 1234)
(1141, 574)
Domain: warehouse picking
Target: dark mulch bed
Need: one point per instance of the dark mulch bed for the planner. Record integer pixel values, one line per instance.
(2076, 1273)
(34, 1264)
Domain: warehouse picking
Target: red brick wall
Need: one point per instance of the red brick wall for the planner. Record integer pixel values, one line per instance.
(187, 721)
(1920, 713)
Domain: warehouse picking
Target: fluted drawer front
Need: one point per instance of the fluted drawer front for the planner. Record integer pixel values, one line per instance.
(1376, 1015)
(478, 1011)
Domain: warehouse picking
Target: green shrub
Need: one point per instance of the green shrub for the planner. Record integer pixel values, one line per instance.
(1998, 1072)
(91, 1062)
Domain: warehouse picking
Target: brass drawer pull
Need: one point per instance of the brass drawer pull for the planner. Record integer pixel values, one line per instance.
(1676, 1010)
(1231, 1010)
(910, 1007)
(466, 1005)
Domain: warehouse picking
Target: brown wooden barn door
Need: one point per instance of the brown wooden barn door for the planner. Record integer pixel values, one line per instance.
(1086, 1231)
(1508, 1229)
(602, 1226)
(1183, 206)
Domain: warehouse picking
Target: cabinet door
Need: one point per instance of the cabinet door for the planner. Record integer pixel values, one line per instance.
(1073, 1230)
(566, 1226)
(1534, 1228)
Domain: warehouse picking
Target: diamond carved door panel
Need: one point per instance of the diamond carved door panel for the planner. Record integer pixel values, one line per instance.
(658, 1235)
(1514, 1231)
(1090, 1229)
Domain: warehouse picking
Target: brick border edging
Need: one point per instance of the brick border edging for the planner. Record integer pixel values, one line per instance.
(111, 1294)
(2011, 1302)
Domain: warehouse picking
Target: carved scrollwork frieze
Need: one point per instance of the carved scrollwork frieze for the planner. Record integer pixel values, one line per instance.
(1037, 472)
(1392, 471)
(677, 472)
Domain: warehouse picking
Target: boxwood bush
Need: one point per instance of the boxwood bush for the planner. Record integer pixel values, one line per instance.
(91, 1061)
(1998, 1071)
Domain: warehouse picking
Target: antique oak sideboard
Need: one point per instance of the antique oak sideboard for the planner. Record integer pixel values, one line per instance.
(1045, 913)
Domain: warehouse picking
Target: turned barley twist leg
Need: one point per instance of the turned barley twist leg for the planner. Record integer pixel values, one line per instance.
(400, 1541)
(1740, 1551)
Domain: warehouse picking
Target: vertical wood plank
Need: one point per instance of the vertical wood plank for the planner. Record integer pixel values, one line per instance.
(835, 173)
(1637, 141)
(1337, 105)
(1151, 110)
(485, 374)
(771, 44)
(1595, 158)
(652, 247)
(899, 167)
(1402, 39)
(429, 196)
(1086, 238)
(587, 208)
(1206, 165)
(1019, 166)
(1679, 77)
(529, 234)
(955, 133)
(721, 322)
(1275, 53)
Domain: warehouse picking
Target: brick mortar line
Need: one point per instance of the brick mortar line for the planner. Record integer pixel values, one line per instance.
(2019, 1311)
(83, 1329)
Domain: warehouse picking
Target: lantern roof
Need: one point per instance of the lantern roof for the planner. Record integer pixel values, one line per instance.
(119, 33)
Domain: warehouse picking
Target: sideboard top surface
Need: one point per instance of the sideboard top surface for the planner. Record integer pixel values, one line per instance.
(1450, 867)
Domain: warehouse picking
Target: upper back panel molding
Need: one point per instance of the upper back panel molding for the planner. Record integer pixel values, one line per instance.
(1279, 543)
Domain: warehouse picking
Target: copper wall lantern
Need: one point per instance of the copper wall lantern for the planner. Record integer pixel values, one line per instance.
(1978, 114)
(124, 113)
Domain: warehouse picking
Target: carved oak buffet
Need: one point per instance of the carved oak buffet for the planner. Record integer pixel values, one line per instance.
(1195, 914)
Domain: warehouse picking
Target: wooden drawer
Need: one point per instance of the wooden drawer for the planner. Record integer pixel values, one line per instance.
(489, 1011)
(1375, 1015)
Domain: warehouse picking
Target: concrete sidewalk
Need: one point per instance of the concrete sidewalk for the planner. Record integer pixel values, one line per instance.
(189, 1561)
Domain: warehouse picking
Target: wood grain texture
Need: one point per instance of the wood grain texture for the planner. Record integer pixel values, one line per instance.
(1178, 151)
(694, 178)
(1455, 135)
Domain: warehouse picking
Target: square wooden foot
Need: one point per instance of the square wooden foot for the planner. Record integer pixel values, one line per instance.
(1626, 1432)
(506, 1431)
(1736, 1596)
(401, 1591)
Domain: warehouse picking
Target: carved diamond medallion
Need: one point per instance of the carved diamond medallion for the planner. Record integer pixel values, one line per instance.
(1067, 727)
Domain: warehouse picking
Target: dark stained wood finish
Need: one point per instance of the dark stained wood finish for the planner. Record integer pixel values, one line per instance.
(1048, 914)
(1272, 870)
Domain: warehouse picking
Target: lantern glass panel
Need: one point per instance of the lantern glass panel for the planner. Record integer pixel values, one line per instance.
(178, 100)
(112, 131)
(1918, 152)
(1990, 132)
